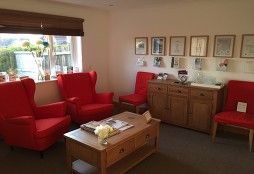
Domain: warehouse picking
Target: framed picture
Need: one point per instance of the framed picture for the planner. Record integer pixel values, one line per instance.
(158, 46)
(247, 48)
(141, 47)
(224, 45)
(199, 46)
(177, 45)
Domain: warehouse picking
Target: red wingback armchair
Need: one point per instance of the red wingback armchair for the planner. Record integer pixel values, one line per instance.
(84, 104)
(25, 125)
(237, 91)
(140, 95)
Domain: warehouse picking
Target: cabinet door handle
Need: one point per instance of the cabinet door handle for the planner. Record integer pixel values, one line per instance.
(179, 91)
(121, 150)
(147, 136)
(201, 94)
(159, 88)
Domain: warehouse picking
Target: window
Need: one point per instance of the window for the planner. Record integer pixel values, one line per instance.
(58, 57)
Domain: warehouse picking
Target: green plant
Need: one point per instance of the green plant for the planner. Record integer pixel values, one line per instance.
(7, 58)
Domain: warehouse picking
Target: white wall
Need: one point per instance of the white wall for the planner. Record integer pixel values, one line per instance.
(186, 18)
(95, 48)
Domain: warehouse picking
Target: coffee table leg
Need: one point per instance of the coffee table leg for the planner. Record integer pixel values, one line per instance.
(68, 158)
(102, 168)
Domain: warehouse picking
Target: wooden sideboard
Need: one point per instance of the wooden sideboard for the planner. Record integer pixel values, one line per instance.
(184, 105)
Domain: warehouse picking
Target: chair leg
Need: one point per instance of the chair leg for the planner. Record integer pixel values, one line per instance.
(251, 139)
(41, 154)
(137, 109)
(12, 148)
(215, 124)
(120, 106)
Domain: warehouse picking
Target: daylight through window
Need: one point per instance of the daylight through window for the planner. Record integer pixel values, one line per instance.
(38, 56)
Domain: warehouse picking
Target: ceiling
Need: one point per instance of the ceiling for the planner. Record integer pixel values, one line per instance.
(116, 4)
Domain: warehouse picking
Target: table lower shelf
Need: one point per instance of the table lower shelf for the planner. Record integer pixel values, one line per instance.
(120, 167)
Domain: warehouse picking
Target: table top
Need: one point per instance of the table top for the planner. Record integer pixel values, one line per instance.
(90, 140)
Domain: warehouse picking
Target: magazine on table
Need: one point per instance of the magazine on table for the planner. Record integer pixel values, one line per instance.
(114, 123)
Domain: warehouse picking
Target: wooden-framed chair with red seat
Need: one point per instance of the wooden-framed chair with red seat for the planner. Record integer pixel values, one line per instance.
(237, 91)
(140, 94)
(23, 124)
(84, 104)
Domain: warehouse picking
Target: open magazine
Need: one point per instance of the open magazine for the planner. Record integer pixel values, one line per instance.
(114, 123)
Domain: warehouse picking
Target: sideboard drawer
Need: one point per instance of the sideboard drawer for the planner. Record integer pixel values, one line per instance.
(145, 136)
(175, 90)
(201, 93)
(116, 153)
(158, 88)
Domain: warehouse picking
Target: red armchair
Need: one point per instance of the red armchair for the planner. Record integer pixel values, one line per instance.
(140, 95)
(237, 91)
(25, 125)
(84, 104)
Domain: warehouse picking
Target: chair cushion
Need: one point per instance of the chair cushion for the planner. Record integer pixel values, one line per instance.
(141, 82)
(49, 126)
(240, 91)
(134, 99)
(235, 118)
(95, 112)
(78, 85)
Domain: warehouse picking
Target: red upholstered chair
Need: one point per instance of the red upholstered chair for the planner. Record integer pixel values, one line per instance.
(84, 104)
(140, 95)
(23, 124)
(237, 91)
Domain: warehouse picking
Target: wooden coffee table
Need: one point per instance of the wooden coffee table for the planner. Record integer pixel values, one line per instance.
(125, 150)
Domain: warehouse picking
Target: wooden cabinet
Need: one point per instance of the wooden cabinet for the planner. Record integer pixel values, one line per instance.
(177, 110)
(200, 114)
(184, 105)
(157, 100)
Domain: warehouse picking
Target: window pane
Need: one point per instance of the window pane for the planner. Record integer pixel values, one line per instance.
(62, 53)
(36, 55)
(17, 58)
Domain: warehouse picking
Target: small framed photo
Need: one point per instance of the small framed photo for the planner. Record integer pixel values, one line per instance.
(199, 46)
(177, 45)
(158, 46)
(141, 45)
(247, 48)
(224, 45)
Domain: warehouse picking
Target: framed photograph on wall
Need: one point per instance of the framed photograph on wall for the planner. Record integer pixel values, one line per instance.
(224, 45)
(177, 45)
(158, 46)
(141, 45)
(199, 46)
(247, 48)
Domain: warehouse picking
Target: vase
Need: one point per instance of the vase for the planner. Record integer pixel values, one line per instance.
(102, 141)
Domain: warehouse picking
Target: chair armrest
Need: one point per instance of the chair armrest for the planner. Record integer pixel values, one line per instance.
(19, 131)
(74, 101)
(24, 120)
(104, 98)
(51, 110)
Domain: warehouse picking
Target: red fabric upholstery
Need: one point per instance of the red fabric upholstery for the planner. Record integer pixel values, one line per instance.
(96, 111)
(21, 122)
(238, 91)
(141, 82)
(134, 99)
(84, 104)
(140, 95)
(236, 119)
